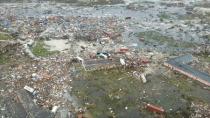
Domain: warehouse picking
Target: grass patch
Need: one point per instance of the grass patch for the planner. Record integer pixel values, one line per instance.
(208, 37)
(182, 84)
(153, 36)
(205, 19)
(187, 17)
(163, 16)
(204, 57)
(40, 49)
(99, 91)
(3, 59)
(4, 36)
(191, 90)
(207, 59)
(115, 89)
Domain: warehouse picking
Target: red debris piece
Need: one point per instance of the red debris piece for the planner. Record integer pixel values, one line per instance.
(155, 109)
(123, 50)
(145, 61)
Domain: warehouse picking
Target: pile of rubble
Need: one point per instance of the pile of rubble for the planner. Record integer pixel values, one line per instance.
(46, 83)
(54, 26)
(200, 110)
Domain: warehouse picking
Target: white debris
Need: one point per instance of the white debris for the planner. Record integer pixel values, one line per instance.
(103, 55)
(80, 59)
(143, 78)
(29, 89)
(54, 109)
(34, 75)
(122, 61)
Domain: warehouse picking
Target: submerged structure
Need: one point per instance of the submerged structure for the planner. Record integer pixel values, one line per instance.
(180, 64)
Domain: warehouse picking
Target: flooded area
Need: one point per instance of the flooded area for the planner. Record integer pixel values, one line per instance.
(104, 59)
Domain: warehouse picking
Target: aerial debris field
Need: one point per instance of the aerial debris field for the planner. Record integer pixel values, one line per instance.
(104, 59)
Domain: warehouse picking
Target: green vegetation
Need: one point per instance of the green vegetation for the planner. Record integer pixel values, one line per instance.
(4, 36)
(183, 84)
(115, 89)
(187, 17)
(207, 59)
(208, 38)
(3, 59)
(205, 19)
(191, 90)
(163, 16)
(40, 49)
(204, 57)
(153, 36)
(101, 90)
